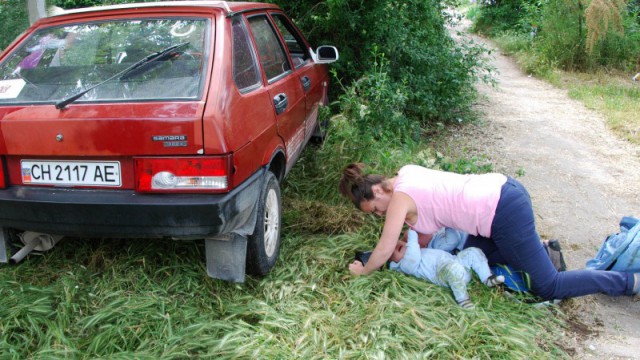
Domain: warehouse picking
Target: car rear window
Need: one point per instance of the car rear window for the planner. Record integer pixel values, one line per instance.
(246, 73)
(58, 62)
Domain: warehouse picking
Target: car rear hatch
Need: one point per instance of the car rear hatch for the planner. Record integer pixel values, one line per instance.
(80, 102)
(94, 144)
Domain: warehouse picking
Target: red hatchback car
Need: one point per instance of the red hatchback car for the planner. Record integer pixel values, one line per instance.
(170, 120)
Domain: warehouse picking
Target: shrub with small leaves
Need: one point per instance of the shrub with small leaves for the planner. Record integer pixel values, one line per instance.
(14, 20)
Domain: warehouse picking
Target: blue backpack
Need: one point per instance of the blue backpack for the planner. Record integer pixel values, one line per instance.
(621, 251)
(514, 280)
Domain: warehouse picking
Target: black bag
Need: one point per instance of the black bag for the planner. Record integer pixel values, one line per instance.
(363, 256)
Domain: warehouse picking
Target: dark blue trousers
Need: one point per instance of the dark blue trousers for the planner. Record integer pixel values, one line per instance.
(515, 241)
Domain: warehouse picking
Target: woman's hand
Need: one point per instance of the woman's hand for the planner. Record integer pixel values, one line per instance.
(356, 268)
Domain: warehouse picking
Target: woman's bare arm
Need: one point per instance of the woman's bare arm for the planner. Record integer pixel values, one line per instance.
(399, 205)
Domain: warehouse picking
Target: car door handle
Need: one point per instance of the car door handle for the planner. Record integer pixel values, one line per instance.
(281, 102)
(306, 83)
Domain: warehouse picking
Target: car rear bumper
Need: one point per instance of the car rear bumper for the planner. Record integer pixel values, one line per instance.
(125, 213)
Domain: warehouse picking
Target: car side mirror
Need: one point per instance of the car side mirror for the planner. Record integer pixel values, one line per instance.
(325, 54)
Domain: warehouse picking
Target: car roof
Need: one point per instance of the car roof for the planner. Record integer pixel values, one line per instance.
(229, 7)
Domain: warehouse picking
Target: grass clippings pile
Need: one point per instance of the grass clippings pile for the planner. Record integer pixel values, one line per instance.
(147, 299)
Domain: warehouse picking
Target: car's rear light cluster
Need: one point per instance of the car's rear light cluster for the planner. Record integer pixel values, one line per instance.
(3, 183)
(182, 174)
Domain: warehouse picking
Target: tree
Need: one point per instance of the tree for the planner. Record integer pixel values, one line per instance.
(601, 16)
(586, 34)
(36, 10)
(13, 20)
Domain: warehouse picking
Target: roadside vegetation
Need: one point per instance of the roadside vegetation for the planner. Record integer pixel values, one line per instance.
(400, 83)
(589, 47)
(14, 20)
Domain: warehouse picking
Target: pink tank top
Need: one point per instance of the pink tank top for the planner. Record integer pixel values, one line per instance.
(462, 202)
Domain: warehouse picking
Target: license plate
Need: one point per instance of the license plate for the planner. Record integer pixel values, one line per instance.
(71, 173)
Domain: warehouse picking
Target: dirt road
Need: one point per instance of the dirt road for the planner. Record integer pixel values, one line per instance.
(582, 180)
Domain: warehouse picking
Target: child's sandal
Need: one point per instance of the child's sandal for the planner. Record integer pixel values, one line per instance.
(466, 304)
(494, 280)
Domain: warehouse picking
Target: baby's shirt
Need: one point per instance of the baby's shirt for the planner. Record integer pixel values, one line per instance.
(422, 263)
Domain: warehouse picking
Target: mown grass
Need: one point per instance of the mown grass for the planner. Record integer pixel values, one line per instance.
(147, 299)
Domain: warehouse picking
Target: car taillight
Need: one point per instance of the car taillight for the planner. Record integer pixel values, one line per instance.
(3, 184)
(193, 174)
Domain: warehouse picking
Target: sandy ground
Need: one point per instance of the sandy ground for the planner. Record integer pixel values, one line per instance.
(582, 180)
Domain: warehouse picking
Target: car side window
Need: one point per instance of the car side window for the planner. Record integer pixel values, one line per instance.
(295, 44)
(272, 55)
(246, 73)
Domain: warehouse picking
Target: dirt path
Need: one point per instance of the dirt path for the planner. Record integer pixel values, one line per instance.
(582, 180)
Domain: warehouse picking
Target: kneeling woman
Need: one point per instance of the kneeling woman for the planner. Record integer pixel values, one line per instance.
(494, 209)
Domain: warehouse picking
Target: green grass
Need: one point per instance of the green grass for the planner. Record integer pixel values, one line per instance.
(469, 9)
(612, 94)
(150, 299)
(519, 46)
(511, 42)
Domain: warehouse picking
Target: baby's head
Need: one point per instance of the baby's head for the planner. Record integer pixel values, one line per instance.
(399, 251)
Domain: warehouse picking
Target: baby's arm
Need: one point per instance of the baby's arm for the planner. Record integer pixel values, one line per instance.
(411, 260)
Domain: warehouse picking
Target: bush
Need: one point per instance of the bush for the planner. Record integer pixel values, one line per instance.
(378, 104)
(411, 35)
(15, 20)
(15, 16)
(562, 39)
(617, 46)
(512, 42)
(571, 34)
(497, 16)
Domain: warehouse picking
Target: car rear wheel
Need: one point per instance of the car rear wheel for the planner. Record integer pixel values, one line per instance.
(263, 245)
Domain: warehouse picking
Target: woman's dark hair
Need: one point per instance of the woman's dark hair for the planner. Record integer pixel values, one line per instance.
(356, 186)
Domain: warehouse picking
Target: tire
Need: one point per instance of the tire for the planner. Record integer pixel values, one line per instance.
(263, 246)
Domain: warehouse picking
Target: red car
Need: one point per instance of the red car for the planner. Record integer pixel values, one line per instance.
(169, 120)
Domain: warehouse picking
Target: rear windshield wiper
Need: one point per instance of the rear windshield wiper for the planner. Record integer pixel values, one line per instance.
(138, 67)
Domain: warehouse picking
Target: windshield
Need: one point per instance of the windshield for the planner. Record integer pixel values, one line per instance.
(56, 63)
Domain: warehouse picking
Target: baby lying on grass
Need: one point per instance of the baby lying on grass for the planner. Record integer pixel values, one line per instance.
(443, 268)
